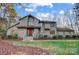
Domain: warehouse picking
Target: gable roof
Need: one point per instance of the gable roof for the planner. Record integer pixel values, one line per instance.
(28, 16)
(14, 25)
(32, 17)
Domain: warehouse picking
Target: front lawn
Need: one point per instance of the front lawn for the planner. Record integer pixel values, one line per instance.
(59, 47)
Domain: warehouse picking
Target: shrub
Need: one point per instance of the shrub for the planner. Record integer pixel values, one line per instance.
(57, 37)
(12, 36)
(2, 34)
(60, 37)
(40, 36)
(9, 37)
(15, 36)
(74, 36)
(45, 36)
(54, 37)
(77, 36)
(68, 36)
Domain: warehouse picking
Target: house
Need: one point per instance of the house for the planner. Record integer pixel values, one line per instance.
(30, 27)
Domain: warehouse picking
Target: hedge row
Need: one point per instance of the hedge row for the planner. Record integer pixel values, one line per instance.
(66, 37)
(45, 37)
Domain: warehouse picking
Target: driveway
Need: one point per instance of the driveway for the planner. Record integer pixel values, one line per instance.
(7, 48)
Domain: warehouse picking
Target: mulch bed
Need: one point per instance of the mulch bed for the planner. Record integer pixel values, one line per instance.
(7, 48)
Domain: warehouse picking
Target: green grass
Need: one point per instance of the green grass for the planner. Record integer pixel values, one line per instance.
(59, 47)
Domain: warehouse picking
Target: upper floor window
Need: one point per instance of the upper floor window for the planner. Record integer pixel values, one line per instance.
(43, 24)
(52, 25)
(30, 21)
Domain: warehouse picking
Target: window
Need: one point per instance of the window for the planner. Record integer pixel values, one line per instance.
(52, 25)
(29, 23)
(43, 25)
(30, 20)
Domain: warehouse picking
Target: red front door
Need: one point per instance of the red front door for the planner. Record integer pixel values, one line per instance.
(30, 32)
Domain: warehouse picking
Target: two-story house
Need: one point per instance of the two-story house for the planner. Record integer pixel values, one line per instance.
(30, 27)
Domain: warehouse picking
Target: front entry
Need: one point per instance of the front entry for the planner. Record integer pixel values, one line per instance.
(30, 31)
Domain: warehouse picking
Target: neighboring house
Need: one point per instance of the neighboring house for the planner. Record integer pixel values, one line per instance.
(31, 27)
(64, 31)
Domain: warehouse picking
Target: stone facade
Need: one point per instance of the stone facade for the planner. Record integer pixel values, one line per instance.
(30, 27)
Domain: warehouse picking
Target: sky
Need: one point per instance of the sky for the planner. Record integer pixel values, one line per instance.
(43, 9)
(46, 11)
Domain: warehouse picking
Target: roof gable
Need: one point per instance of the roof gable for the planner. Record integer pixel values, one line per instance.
(29, 17)
(32, 17)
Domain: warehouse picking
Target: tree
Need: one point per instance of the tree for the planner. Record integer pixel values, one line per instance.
(7, 10)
